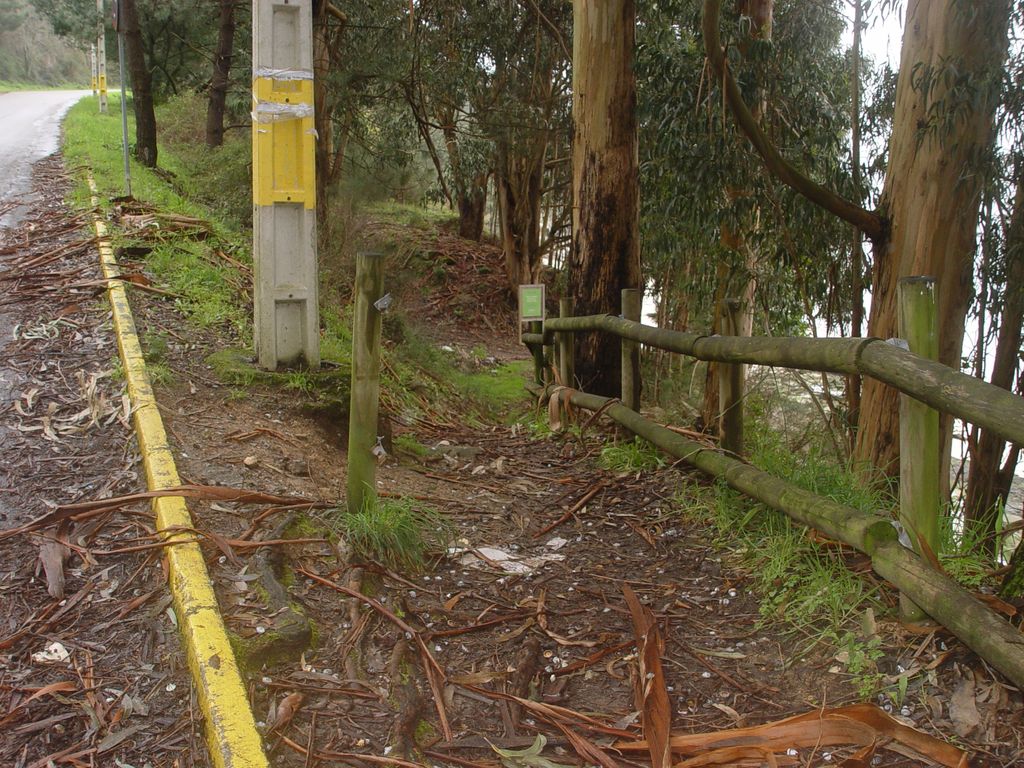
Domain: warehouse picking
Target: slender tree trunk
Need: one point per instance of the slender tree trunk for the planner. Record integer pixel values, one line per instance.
(853, 383)
(472, 204)
(142, 86)
(932, 188)
(605, 250)
(986, 487)
(518, 181)
(221, 69)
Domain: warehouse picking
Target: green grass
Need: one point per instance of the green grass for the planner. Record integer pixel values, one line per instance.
(804, 587)
(630, 456)
(416, 216)
(397, 533)
(214, 185)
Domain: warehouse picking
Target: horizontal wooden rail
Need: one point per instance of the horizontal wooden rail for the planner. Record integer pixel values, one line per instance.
(966, 397)
(992, 638)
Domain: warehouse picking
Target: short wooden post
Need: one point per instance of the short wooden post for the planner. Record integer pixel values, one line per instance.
(365, 397)
(537, 326)
(731, 378)
(920, 441)
(566, 341)
(632, 303)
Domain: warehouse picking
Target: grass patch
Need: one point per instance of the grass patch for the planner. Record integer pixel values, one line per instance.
(397, 533)
(804, 587)
(633, 455)
(496, 390)
(415, 216)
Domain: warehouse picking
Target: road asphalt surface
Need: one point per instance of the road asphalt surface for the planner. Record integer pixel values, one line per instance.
(29, 131)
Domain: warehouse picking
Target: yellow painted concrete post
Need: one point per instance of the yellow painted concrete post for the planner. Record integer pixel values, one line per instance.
(287, 326)
(101, 58)
(93, 81)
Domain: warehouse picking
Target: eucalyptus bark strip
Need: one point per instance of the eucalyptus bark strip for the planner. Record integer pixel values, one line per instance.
(919, 430)
(973, 622)
(364, 400)
(973, 400)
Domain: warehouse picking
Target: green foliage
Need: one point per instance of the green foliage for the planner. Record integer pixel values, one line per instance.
(31, 55)
(397, 533)
(633, 455)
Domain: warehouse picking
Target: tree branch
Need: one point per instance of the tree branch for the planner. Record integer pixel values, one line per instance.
(871, 224)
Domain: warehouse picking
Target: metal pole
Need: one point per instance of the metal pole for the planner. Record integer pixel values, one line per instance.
(364, 399)
(101, 58)
(286, 309)
(124, 116)
(920, 439)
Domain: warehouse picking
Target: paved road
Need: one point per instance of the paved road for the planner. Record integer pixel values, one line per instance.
(29, 131)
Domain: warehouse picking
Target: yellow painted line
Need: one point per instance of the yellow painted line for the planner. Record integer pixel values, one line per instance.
(230, 728)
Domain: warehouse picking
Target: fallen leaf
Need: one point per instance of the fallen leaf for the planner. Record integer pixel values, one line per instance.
(963, 708)
(286, 711)
(528, 758)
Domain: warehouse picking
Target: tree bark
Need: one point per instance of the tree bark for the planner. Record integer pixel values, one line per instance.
(518, 179)
(472, 204)
(142, 86)
(605, 254)
(932, 189)
(221, 69)
(987, 484)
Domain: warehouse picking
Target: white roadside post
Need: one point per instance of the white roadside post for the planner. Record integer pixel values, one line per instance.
(101, 58)
(92, 64)
(287, 327)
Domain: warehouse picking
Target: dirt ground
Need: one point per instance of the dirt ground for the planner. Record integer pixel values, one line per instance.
(523, 627)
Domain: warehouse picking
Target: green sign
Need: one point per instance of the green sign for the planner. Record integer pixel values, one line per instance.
(531, 302)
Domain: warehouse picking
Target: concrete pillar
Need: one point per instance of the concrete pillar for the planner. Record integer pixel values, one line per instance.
(101, 58)
(286, 313)
(93, 81)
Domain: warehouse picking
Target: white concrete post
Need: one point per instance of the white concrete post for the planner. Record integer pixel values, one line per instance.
(93, 83)
(286, 322)
(101, 58)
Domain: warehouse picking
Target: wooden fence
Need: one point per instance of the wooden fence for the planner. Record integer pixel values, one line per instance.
(917, 377)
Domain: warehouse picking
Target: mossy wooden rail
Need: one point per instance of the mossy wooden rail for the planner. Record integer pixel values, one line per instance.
(927, 381)
(973, 400)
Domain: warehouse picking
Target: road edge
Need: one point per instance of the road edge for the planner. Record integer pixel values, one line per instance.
(231, 734)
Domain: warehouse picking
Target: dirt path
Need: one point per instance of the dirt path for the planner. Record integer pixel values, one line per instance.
(522, 628)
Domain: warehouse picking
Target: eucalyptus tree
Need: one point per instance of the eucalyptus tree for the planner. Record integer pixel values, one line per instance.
(606, 240)
(946, 97)
(713, 223)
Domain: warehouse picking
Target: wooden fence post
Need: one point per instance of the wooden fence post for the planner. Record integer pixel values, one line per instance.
(365, 397)
(566, 346)
(731, 377)
(920, 463)
(632, 304)
(536, 326)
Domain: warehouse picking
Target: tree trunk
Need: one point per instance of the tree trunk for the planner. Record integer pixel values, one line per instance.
(986, 483)
(518, 180)
(932, 188)
(472, 204)
(142, 86)
(605, 254)
(221, 68)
